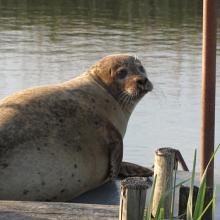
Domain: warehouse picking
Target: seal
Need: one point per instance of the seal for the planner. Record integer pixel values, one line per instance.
(59, 141)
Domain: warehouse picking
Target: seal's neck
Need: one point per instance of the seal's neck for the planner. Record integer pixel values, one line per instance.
(126, 110)
(100, 82)
(105, 102)
(118, 116)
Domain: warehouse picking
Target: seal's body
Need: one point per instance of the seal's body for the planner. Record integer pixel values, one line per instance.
(59, 141)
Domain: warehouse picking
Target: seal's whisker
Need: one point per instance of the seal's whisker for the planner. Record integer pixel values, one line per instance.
(122, 97)
(130, 101)
(125, 94)
(125, 100)
(122, 103)
(122, 94)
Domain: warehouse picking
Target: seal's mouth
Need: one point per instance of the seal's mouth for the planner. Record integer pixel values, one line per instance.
(133, 95)
(128, 99)
(134, 91)
(144, 87)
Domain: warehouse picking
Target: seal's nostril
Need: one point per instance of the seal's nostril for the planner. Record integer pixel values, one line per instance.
(139, 81)
(145, 81)
(142, 82)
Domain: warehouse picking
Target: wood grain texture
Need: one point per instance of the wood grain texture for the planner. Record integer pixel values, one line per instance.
(17, 210)
(133, 197)
(163, 169)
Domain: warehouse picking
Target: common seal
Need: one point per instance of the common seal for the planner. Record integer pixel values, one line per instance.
(58, 141)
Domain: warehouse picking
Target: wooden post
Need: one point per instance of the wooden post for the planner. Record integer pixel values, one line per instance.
(133, 197)
(183, 200)
(163, 168)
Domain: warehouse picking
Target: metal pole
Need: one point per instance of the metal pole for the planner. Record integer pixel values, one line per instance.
(208, 88)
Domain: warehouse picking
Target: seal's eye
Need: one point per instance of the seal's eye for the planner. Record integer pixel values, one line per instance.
(141, 68)
(122, 73)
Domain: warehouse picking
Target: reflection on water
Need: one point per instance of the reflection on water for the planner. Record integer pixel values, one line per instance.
(49, 41)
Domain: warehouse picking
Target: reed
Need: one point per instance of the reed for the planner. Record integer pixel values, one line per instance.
(200, 207)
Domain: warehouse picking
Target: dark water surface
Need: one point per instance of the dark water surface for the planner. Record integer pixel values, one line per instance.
(44, 42)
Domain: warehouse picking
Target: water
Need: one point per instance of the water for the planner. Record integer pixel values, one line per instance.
(45, 42)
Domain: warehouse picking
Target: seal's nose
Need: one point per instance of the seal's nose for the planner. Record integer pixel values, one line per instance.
(144, 84)
(149, 86)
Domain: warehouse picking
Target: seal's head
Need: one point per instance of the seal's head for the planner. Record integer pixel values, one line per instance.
(124, 77)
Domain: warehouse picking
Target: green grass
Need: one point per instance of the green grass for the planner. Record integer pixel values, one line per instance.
(200, 208)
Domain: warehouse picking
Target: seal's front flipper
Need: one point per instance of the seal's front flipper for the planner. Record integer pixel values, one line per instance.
(130, 170)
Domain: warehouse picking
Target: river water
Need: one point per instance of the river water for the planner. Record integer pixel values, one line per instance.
(50, 41)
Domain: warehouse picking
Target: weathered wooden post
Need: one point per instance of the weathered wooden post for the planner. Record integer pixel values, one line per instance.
(183, 200)
(133, 197)
(163, 168)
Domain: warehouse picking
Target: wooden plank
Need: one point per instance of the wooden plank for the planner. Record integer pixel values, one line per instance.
(17, 210)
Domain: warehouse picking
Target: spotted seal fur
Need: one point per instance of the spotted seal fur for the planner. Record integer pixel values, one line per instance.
(58, 141)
